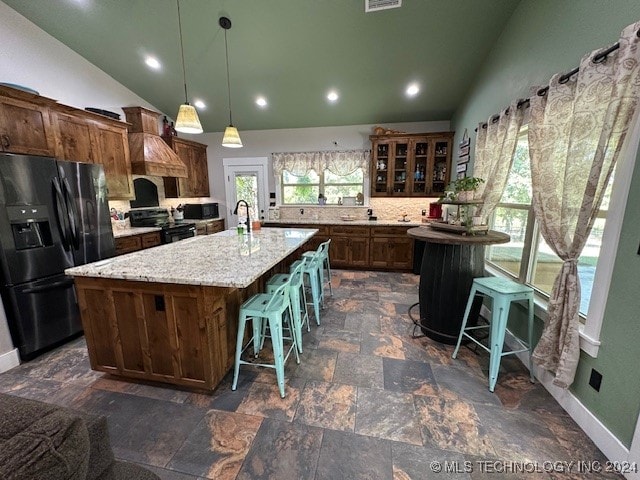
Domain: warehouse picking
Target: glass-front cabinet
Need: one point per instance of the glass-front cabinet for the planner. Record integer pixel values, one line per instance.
(405, 165)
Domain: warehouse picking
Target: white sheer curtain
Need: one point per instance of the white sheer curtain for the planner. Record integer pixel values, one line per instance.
(495, 145)
(337, 162)
(576, 132)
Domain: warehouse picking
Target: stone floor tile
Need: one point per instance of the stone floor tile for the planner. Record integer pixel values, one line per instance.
(318, 364)
(282, 450)
(142, 429)
(521, 436)
(409, 377)
(328, 405)
(411, 462)
(359, 370)
(475, 388)
(354, 457)
(217, 447)
(451, 424)
(263, 399)
(390, 415)
(382, 345)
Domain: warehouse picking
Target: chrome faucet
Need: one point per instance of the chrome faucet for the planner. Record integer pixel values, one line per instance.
(235, 212)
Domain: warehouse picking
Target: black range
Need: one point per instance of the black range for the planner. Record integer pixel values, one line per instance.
(159, 217)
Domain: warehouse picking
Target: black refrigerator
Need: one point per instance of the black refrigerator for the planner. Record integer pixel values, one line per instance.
(53, 215)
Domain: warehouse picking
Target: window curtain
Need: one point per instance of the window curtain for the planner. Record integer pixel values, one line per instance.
(576, 132)
(339, 163)
(495, 145)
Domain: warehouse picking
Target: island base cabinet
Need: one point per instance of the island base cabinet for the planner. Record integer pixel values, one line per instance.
(176, 334)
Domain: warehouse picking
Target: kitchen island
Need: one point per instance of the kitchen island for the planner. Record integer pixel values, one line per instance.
(170, 313)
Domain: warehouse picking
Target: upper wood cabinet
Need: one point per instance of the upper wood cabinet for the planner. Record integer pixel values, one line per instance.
(87, 137)
(407, 165)
(194, 156)
(25, 126)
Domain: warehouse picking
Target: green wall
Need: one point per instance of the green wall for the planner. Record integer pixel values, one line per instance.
(544, 37)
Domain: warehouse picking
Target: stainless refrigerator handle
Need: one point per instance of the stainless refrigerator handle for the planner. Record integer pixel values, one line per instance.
(72, 213)
(60, 211)
(67, 282)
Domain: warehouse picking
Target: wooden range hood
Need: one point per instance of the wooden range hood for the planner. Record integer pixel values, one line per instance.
(150, 155)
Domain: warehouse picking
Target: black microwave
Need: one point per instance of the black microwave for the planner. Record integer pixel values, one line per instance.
(201, 210)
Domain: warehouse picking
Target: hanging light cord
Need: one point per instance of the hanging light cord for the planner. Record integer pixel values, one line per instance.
(184, 72)
(226, 52)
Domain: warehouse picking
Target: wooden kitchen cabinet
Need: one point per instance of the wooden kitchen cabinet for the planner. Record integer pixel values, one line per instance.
(407, 165)
(194, 156)
(133, 243)
(74, 138)
(25, 125)
(391, 248)
(208, 227)
(349, 246)
(112, 147)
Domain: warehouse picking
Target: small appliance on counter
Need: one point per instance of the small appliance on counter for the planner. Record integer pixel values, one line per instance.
(201, 211)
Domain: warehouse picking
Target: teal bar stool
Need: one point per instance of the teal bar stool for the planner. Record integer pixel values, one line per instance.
(271, 308)
(312, 271)
(502, 292)
(323, 248)
(297, 295)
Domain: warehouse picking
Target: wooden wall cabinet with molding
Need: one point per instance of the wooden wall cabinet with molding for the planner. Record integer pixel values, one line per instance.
(194, 156)
(410, 165)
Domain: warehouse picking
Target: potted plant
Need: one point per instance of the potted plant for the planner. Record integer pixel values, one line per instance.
(464, 188)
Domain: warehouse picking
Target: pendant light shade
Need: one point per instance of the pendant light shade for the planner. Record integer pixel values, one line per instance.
(231, 138)
(187, 120)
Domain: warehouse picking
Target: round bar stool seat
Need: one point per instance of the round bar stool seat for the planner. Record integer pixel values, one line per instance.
(502, 292)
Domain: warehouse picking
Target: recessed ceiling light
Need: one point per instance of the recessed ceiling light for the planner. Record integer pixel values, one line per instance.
(261, 102)
(152, 62)
(413, 89)
(200, 104)
(332, 96)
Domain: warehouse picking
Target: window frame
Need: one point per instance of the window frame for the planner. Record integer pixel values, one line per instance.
(592, 326)
(321, 187)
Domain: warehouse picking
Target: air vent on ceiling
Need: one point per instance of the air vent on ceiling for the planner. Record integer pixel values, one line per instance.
(375, 5)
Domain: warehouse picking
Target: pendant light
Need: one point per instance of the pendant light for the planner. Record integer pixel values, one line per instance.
(231, 137)
(187, 121)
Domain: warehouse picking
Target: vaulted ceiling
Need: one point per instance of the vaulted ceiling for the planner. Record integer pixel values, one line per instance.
(291, 52)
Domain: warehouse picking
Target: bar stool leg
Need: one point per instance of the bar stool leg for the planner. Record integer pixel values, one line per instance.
(236, 365)
(326, 261)
(467, 310)
(499, 318)
(531, 307)
(315, 295)
(275, 328)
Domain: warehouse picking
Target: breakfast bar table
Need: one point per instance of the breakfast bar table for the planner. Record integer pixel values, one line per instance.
(450, 263)
(170, 313)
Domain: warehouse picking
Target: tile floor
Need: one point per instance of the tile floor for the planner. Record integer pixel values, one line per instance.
(367, 401)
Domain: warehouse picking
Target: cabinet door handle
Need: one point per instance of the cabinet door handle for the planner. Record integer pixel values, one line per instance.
(5, 141)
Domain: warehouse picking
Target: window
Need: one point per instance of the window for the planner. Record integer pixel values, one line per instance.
(527, 257)
(305, 189)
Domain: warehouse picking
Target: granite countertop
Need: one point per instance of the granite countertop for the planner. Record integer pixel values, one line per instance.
(129, 231)
(224, 259)
(372, 223)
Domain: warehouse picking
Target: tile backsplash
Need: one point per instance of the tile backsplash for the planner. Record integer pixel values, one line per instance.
(383, 208)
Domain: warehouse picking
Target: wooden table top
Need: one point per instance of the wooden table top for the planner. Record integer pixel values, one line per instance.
(428, 234)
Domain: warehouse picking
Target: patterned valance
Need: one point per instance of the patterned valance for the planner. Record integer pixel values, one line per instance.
(337, 162)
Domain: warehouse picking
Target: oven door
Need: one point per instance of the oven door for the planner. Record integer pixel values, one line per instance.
(176, 234)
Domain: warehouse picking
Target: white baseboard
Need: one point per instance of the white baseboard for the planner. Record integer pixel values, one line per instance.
(9, 360)
(604, 439)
